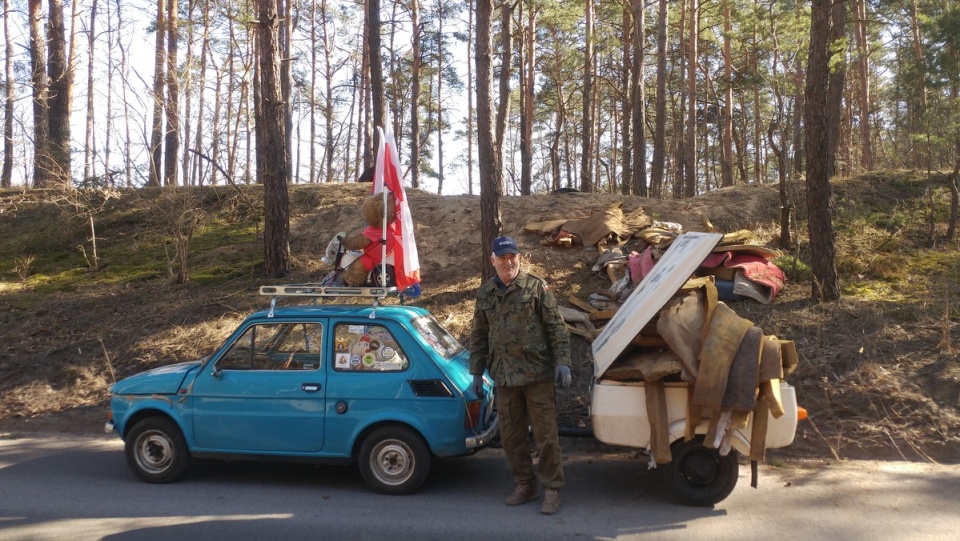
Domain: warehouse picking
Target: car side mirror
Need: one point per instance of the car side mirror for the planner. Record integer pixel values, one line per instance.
(216, 372)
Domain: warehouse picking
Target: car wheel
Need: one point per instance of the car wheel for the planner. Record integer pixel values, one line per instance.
(394, 460)
(699, 475)
(156, 451)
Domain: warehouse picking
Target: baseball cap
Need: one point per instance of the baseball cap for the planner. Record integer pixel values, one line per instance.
(504, 245)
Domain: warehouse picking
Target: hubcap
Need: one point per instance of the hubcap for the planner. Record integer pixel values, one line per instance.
(392, 462)
(154, 452)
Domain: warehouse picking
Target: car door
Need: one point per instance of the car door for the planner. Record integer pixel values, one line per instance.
(265, 393)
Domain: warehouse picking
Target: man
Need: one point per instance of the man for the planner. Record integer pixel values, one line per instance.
(520, 337)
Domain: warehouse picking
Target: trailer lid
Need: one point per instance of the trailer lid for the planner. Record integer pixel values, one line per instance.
(678, 263)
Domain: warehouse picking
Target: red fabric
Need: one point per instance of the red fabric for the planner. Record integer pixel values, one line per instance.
(756, 268)
(373, 253)
(640, 264)
(400, 237)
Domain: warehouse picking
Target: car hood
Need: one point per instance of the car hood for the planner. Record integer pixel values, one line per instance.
(162, 380)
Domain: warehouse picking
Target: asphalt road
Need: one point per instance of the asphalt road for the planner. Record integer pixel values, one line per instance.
(78, 488)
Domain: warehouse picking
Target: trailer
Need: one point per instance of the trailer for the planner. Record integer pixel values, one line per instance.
(698, 447)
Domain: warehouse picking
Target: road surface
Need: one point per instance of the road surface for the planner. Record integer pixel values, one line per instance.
(56, 486)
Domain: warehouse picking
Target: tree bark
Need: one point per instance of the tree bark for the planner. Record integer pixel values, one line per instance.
(726, 157)
(506, 69)
(819, 225)
(376, 66)
(196, 177)
(285, 12)
(88, 149)
(863, 65)
(660, 129)
(60, 75)
(415, 83)
(41, 106)
(639, 111)
(625, 99)
(470, 66)
(491, 183)
(441, 124)
(125, 70)
(690, 154)
(6, 179)
(586, 130)
(172, 135)
(156, 133)
(271, 152)
(527, 78)
(836, 81)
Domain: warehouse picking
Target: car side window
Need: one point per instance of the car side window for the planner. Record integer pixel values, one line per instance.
(368, 348)
(275, 346)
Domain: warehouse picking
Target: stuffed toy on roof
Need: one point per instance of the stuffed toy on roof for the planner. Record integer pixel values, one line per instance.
(364, 249)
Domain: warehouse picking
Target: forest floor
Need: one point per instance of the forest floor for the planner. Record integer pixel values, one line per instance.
(879, 369)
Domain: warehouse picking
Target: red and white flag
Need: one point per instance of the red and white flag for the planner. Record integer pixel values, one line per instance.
(406, 261)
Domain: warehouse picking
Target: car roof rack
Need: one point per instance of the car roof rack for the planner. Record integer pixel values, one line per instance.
(375, 293)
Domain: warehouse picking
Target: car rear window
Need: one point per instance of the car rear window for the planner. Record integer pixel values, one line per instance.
(433, 332)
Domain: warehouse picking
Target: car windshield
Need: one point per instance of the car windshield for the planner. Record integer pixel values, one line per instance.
(443, 342)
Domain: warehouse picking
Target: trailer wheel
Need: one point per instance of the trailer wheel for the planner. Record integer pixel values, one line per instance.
(699, 475)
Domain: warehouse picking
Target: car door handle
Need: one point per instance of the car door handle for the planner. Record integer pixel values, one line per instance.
(310, 387)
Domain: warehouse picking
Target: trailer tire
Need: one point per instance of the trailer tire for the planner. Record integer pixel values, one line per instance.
(699, 475)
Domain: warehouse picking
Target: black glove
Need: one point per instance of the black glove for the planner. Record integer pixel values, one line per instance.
(477, 386)
(562, 375)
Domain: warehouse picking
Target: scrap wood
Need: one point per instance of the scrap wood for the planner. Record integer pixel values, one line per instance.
(602, 314)
(583, 305)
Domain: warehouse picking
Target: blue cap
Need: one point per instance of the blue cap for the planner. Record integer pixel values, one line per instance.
(504, 245)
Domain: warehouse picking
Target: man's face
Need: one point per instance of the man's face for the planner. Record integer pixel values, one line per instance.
(507, 266)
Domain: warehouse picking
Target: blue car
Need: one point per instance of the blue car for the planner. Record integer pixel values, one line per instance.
(386, 387)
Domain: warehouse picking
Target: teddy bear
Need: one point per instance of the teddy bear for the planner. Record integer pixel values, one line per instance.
(363, 249)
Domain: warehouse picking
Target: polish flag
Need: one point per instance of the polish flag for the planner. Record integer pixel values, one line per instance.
(406, 262)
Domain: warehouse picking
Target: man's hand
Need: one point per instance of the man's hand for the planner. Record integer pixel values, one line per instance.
(477, 386)
(562, 375)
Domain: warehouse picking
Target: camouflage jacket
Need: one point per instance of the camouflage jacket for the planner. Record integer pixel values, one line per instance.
(518, 334)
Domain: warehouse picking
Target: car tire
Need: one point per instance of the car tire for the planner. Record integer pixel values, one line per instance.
(156, 451)
(394, 460)
(699, 475)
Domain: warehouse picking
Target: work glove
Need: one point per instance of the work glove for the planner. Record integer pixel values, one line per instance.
(477, 385)
(562, 375)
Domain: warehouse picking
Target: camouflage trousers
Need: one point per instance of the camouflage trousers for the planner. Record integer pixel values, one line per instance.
(536, 403)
